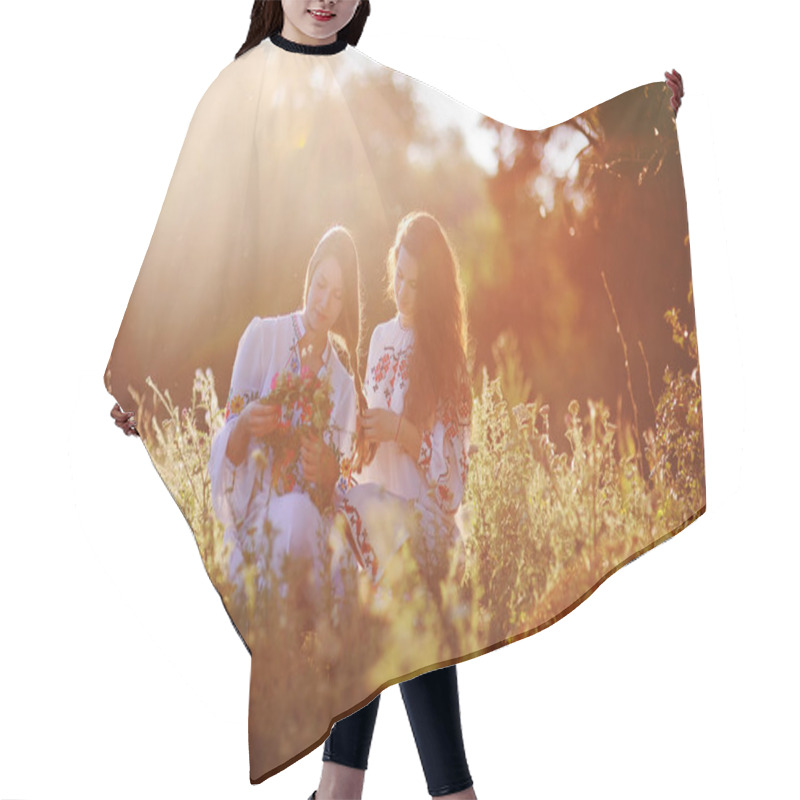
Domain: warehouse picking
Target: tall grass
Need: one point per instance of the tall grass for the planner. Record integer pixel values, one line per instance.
(543, 527)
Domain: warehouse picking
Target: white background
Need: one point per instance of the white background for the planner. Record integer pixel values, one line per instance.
(121, 675)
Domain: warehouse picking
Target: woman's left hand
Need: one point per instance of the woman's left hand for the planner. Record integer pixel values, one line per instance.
(318, 460)
(379, 424)
(675, 82)
(124, 420)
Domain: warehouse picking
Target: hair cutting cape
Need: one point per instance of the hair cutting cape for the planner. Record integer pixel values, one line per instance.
(583, 447)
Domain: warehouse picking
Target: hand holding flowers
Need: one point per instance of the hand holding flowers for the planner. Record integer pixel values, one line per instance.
(291, 420)
(261, 419)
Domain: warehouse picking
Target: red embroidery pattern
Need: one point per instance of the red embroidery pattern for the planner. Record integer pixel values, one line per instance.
(380, 370)
(357, 537)
(445, 497)
(443, 487)
(392, 364)
(426, 450)
(402, 369)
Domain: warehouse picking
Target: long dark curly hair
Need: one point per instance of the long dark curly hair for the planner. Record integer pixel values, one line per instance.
(339, 243)
(438, 371)
(266, 18)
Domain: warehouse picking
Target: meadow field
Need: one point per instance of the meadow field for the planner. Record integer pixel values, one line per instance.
(544, 522)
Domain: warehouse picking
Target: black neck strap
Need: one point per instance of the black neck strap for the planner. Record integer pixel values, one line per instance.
(309, 49)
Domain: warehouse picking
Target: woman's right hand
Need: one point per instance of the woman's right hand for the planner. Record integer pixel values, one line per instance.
(261, 419)
(256, 420)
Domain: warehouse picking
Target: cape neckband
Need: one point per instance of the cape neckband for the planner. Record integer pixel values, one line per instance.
(309, 49)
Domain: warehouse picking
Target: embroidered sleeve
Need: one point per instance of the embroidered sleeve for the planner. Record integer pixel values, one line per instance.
(237, 402)
(377, 362)
(426, 450)
(231, 485)
(444, 455)
(246, 376)
(343, 437)
(387, 368)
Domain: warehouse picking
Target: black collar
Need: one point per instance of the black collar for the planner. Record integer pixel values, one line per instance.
(309, 49)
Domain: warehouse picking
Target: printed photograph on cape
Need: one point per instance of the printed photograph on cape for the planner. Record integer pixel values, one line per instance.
(419, 381)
